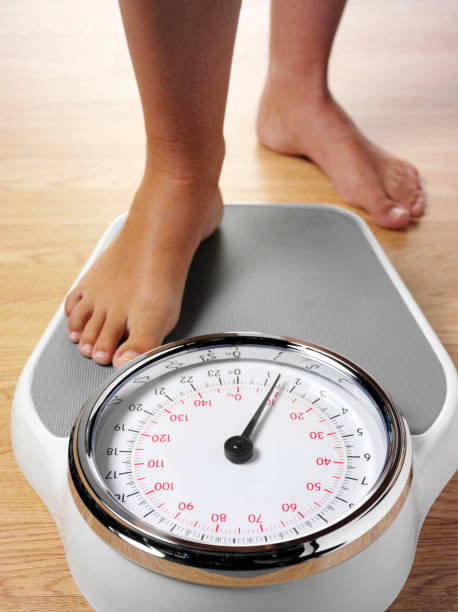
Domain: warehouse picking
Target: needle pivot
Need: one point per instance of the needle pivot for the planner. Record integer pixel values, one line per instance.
(239, 449)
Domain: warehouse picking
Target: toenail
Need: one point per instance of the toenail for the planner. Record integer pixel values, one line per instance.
(99, 356)
(128, 356)
(74, 336)
(417, 207)
(86, 349)
(397, 212)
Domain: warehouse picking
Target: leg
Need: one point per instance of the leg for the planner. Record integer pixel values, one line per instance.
(298, 115)
(181, 52)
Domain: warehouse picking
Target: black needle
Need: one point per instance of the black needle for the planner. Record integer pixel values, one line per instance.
(240, 448)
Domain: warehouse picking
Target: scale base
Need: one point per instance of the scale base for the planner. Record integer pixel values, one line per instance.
(313, 272)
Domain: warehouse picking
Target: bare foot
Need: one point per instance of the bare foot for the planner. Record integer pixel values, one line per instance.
(133, 292)
(364, 175)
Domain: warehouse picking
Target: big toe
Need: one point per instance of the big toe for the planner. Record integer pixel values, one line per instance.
(391, 214)
(145, 334)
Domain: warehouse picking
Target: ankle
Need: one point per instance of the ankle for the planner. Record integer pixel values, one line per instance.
(185, 162)
(312, 90)
(192, 206)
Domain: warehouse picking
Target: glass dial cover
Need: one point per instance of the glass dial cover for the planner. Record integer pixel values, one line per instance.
(150, 455)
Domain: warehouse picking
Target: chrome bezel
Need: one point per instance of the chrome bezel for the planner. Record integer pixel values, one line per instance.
(141, 542)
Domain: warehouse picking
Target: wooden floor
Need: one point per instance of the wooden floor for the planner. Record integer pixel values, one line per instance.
(71, 154)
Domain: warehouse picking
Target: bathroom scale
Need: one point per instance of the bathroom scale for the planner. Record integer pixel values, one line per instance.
(280, 450)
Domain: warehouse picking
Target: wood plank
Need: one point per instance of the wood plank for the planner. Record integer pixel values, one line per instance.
(71, 154)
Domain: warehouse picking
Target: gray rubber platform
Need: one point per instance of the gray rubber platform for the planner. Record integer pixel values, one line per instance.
(298, 271)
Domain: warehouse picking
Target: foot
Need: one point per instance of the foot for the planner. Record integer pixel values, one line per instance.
(364, 175)
(132, 294)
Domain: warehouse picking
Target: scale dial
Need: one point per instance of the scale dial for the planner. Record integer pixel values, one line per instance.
(235, 452)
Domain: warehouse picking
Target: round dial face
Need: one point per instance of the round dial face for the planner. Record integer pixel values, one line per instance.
(237, 442)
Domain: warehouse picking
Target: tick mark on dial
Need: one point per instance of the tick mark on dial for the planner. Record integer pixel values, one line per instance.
(322, 518)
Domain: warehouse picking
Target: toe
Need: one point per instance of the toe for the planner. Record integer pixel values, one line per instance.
(418, 206)
(401, 184)
(78, 319)
(91, 333)
(411, 171)
(388, 213)
(108, 338)
(144, 335)
(72, 300)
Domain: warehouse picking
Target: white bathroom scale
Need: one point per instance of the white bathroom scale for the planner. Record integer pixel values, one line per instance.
(280, 450)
